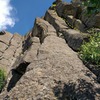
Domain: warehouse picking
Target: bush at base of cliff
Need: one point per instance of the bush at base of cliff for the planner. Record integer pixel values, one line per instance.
(90, 51)
(2, 79)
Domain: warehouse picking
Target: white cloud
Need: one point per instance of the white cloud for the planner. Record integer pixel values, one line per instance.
(6, 18)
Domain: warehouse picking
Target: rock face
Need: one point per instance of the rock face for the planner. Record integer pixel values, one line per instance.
(78, 13)
(73, 38)
(43, 65)
(10, 49)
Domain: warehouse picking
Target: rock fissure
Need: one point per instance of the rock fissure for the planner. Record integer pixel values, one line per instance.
(17, 74)
(4, 43)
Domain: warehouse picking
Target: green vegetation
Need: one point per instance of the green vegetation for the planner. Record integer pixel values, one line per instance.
(90, 51)
(93, 6)
(2, 79)
(53, 5)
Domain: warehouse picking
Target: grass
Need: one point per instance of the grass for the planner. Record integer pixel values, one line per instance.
(90, 51)
(2, 79)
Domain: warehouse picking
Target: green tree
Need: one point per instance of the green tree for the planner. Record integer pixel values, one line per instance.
(93, 6)
(90, 51)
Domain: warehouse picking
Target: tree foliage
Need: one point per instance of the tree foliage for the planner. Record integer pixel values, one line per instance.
(93, 6)
(90, 51)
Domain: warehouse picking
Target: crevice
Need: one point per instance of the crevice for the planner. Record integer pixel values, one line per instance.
(4, 43)
(11, 40)
(7, 44)
(26, 44)
(17, 73)
(14, 55)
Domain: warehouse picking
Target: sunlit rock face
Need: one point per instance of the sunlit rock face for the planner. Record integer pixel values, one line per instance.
(44, 64)
(10, 49)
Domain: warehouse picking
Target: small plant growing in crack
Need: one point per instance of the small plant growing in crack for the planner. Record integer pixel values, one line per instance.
(2, 79)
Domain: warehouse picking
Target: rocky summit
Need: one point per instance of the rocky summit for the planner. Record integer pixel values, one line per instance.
(44, 64)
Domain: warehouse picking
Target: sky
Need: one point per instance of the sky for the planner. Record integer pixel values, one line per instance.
(17, 16)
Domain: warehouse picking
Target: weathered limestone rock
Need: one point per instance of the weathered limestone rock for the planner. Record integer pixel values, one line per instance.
(64, 9)
(49, 71)
(9, 48)
(31, 53)
(42, 66)
(42, 29)
(73, 38)
(77, 11)
(57, 22)
(56, 66)
(16, 40)
(75, 23)
(31, 43)
(5, 38)
(3, 47)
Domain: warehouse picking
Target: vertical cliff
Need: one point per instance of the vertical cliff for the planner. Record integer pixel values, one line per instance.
(44, 64)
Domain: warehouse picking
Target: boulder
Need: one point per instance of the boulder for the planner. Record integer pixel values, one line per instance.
(31, 53)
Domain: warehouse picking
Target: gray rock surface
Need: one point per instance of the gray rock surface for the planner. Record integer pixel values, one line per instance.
(75, 23)
(43, 66)
(49, 70)
(78, 11)
(6, 38)
(73, 37)
(10, 48)
(42, 29)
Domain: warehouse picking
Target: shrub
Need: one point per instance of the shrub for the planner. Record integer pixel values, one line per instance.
(93, 6)
(2, 79)
(90, 51)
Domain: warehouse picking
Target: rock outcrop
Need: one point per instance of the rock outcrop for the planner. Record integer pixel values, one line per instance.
(44, 64)
(10, 49)
(73, 38)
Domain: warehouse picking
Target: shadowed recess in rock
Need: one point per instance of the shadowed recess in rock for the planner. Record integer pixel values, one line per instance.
(26, 44)
(17, 74)
(71, 91)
